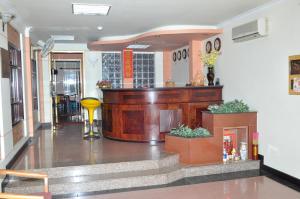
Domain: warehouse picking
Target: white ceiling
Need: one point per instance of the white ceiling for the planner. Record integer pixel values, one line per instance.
(48, 17)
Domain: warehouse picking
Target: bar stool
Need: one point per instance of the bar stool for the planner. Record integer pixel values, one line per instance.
(91, 104)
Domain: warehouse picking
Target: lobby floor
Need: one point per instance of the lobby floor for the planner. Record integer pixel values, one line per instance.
(67, 148)
(246, 188)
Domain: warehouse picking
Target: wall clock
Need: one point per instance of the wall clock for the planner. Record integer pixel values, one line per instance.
(208, 47)
(184, 54)
(217, 44)
(179, 55)
(174, 56)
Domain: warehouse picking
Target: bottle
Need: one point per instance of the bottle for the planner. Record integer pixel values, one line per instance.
(255, 151)
(244, 151)
(225, 155)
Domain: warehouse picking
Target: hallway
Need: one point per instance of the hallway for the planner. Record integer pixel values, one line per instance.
(66, 147)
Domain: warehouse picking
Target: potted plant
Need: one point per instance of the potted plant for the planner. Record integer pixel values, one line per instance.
(210, 60)
(231, 115)
(103, 84)
(196, 146)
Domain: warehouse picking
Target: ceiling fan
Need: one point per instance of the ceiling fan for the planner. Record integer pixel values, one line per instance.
(46, 46)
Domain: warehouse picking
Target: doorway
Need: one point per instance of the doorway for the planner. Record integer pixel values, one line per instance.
(66, 90)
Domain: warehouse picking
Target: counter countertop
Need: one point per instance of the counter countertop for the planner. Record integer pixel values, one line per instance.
(160, 88)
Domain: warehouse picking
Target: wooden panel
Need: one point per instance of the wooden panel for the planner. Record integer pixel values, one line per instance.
(18, 132)
(107, 118)
(5, 63)
(148, 114)
(206, 95)
(195, 112)
(13, 36)
(133, 122)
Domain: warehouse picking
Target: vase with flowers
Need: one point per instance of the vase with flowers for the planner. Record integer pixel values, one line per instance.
(210, 60)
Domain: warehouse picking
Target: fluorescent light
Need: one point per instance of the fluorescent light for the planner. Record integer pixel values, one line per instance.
(63, 37)
(138, 46)
(100, 27)
(90, 9)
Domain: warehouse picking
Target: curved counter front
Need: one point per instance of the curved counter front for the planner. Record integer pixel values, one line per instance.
(148, 114)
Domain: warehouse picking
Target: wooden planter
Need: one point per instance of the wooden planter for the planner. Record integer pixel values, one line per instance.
(200, 150)
(208, 150)
(216, 123)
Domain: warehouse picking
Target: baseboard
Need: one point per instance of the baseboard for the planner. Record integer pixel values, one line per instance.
(17, 155)
(279, 176)
(45, 126)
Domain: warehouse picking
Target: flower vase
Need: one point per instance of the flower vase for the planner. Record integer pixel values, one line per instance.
(210, 76)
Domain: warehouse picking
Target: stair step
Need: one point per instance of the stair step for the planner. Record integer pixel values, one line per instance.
(100, 182)
(95, 169)
(129, 179)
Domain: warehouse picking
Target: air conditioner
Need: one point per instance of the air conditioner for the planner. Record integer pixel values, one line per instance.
(252, 30)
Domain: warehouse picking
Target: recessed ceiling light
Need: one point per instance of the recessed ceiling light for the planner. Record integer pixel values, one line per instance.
(90, 9)
(63, 37)
(100, 27)
(138, 46)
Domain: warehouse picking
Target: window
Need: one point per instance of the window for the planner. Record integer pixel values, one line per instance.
(143, 70)
(34, 85)
(16, 84)
(111, 69)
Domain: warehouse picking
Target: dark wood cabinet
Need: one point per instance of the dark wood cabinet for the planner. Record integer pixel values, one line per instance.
(148, 114)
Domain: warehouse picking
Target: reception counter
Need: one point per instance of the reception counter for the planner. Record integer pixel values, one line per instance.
(147, 114)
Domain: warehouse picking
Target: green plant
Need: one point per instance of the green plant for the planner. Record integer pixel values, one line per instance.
(186, 132)
(235, 106)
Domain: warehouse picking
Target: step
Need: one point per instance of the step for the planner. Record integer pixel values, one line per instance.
(129, 179)
(95, 169)
(101, 182)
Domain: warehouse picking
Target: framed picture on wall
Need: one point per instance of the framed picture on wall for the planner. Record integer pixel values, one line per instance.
(174, 57)
(184, 54)
(179, 55)
(294, 75)
(208, 47)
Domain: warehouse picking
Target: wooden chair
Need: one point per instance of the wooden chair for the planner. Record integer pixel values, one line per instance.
(43, 195)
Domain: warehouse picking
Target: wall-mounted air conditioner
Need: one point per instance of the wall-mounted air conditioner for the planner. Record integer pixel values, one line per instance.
(252, 30)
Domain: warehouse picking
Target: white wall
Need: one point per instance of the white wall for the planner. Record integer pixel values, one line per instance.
(159, 69)
(92, 72)
(180, 69)
(257, 72)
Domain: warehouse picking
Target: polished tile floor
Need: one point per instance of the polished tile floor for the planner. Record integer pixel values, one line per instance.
(246, 188)
(67, 148)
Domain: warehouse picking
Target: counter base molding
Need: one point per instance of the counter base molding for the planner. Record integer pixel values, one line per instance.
(146, 115)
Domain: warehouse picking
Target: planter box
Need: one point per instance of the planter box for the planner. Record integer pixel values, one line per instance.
(202, 150)
(216, 123)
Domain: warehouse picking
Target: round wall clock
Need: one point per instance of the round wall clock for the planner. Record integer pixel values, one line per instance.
(217, 44)
(179, 55)
(184, 54)
(208, 47)
(174, 56)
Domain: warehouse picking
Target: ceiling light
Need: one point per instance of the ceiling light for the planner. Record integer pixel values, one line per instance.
(100, 27)
(90, 9)
(63, 37)
(138, 46)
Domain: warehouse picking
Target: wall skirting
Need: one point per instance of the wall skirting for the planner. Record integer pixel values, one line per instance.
(279, 176)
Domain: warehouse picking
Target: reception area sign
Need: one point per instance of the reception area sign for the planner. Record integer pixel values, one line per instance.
(128, 63)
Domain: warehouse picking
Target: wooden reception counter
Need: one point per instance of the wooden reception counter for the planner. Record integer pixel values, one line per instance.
(147, 114)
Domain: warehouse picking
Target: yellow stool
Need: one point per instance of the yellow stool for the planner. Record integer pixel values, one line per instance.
(90, 104)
